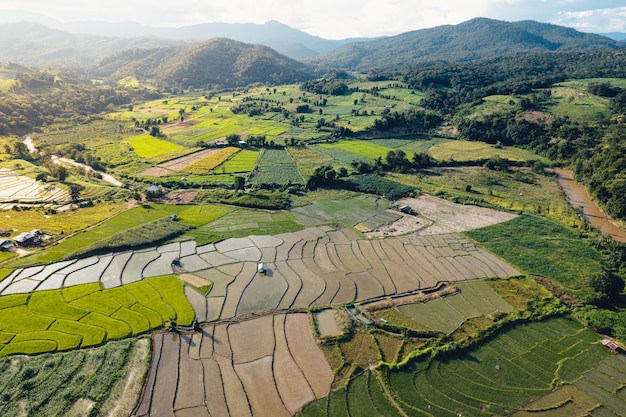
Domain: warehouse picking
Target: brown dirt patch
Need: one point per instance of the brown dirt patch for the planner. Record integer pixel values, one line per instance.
(251, 340)
(438, 216)
(536, 116)
(290, 381)
(156, 172)
(258, 382)
(308, 355)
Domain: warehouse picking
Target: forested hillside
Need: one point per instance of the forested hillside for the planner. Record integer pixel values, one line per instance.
(216, 63)
(475, 39)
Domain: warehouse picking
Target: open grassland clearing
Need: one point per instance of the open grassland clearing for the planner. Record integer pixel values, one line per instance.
(217, 371)
(276, 166)
(462, 151)
(84, 315)
(543, 247)
(578, 104)
(519, 190)
(101, 381)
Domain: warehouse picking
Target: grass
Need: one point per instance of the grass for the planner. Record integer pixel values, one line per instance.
(157, 150)
(207, 164)
(543, 247)
(362, 148)
(349, 212)
(84, 315)
(56, 384)
(244, 161)
(463, 151)
(244, 222)
(276, 166)
(59, 223)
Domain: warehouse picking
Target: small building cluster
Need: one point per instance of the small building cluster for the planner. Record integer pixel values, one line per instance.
(25, 239)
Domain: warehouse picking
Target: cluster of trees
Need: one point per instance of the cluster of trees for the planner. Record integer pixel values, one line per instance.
(332, 86)
(22, 112)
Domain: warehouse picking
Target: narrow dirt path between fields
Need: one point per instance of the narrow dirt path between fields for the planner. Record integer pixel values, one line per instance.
(388, 395)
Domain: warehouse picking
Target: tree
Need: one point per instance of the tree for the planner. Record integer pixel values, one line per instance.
(240, 183)
(233, 140)
(75, 192)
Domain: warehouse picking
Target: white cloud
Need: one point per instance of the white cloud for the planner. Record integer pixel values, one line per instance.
(330, 18)
(597, 20)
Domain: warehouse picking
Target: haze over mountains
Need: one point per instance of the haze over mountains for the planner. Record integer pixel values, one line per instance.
(231, 54)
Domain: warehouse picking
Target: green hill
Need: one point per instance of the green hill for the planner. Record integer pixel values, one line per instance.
(218, 62)
(471, 40)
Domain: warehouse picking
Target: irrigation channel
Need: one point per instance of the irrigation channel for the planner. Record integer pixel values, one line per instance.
(578, 196)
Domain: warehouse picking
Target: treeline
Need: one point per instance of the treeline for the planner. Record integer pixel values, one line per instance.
(22, 112)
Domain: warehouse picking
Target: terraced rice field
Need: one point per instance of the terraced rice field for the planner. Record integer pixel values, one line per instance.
(503, 374)
(514, 373)
(15, 187)
(475, 299)
(219, 372)
(85, 315)
(314, 266)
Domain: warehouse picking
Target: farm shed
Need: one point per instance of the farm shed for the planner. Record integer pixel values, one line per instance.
(261, 268)
(406, 209)
(6, 245)
(27, 238)
(610, 344)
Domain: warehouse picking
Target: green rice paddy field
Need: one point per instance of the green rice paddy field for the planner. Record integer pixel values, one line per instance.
(85, 315)
(499, 377)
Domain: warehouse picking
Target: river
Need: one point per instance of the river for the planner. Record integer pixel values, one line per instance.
(578, 196)
(28, 141)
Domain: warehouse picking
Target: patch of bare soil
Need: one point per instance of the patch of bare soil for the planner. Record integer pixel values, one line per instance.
(178, 197)
(156, 172)
(438, 216)
(536, 116)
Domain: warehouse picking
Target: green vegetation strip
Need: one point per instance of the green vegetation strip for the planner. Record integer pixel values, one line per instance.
(84, 315)
(81, 382)
(546, 248)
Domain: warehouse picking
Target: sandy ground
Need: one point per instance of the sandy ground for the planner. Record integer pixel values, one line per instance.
(437, 216)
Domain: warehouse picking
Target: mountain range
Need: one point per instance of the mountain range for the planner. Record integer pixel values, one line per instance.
(232, 55)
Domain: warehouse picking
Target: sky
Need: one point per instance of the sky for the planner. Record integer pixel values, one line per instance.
(336, 19)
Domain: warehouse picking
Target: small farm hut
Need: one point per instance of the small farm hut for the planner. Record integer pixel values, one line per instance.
(610, 344)
(27, 238)
(261, 268)
(6, 245)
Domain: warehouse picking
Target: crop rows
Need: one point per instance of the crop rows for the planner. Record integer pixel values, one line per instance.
(84, 315)
(501, 375)
(361, 148)
(24, 189)
(447, 314)
(81, 382)
(218, 372)
(244, 161)
(276, 166)
(211, 161)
